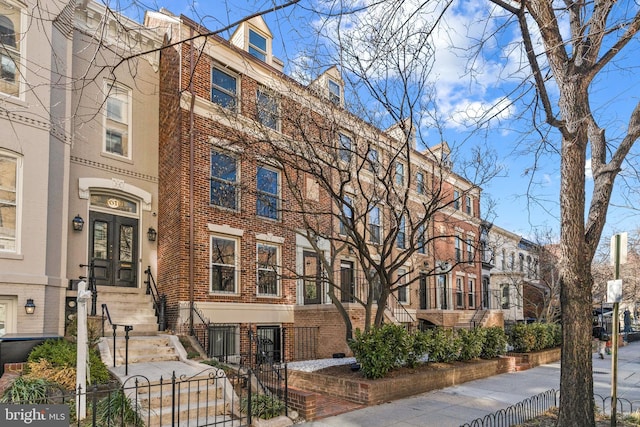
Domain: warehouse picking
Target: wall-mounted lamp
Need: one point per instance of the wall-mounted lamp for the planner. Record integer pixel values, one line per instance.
(444, 266)
(78, 223)
(152, 234)
(30, 307)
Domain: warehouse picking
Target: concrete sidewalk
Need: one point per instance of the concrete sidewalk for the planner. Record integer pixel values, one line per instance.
(454, 406)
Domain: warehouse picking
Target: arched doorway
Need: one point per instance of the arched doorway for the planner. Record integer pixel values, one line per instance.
(114, 239)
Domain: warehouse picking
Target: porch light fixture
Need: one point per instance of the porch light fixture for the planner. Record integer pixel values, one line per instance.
(152, 234)
(30, 307)
(78, 223)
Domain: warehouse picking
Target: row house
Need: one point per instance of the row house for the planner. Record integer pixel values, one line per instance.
(78, 158)
(270, 191)
(516, 285)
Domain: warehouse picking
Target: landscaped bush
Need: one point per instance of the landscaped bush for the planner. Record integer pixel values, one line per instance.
(380, 349)
(534, 336)
(445, 345)
(418, 347)
(61, 358)
(263, 406)
(495, 342)
(471, 343)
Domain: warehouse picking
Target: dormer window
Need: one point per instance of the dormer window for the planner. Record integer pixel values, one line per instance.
(257, 45)
(335, 92)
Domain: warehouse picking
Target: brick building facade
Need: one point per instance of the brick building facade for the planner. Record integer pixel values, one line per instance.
(247, 235)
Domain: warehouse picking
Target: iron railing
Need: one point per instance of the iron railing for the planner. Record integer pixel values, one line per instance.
(114, 327)
(225, 343)
(159, 300)
(539, 404)
(91, 286)
(212, 397)
(398, 311)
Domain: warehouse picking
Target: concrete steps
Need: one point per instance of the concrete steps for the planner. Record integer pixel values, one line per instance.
(128, 306)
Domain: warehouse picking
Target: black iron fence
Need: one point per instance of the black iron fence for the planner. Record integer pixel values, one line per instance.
(539, 404)
(211, 398)
(260, 344)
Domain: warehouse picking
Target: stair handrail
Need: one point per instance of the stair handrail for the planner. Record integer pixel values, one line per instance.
(473, 322)
(159, 301)
(204, 321)
(91, 285)
(393, 303)
(114, 326)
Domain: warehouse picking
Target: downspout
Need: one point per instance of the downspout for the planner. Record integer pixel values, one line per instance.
(191, 185)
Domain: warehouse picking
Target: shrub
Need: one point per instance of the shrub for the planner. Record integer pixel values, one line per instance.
(61, 355)
(522, 338)
(117, 409)
(495, 342)
(418, 347)
(444, 345)
(471, 343)
(263, 406)
(380, 350)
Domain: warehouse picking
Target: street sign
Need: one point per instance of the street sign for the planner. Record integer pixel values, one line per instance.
(614, 291)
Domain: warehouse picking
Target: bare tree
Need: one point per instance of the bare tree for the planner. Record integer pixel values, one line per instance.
(569, 62)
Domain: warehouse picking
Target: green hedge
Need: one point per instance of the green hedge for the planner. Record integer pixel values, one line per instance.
(527, 337)
(390, 346)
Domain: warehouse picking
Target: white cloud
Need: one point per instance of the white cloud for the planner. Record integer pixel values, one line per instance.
(588, 172)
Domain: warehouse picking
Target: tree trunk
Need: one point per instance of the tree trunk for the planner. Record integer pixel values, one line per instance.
(576, 382)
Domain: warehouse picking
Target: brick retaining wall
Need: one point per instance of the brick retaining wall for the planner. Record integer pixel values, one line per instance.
(372, 392)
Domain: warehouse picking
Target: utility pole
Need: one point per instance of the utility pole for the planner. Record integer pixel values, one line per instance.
(614, 295)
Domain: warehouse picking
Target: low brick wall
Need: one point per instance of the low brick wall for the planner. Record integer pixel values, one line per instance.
(372, 392)
(304, 402)
(537, 358)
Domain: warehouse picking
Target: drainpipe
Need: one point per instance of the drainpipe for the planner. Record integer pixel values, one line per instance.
(191, 185)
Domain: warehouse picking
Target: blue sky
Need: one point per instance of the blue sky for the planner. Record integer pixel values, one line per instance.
(526, 194)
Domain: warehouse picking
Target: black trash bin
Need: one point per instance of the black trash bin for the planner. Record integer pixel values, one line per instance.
(15, 348)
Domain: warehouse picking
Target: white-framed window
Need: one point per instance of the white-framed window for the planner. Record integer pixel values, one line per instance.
(399, 178)
(456, 199)
(401, 237)
(224, 180)
(335, 92)
(403, 294)
(346, 219)
(503, 263)
(459, 292)
(472, 293)
(420, 183)
(458, 249)
(10, 201)
(224, 88)
(257, 45)
(521, 262)
(11, 42)
(469, 250)
(512, 261)
(374, 224)
(373, 159)
(345, 148)
(469, 205)
(224, 264)
(422, 239)
(268, 192)
(506, 297)
(117, 120)
(267, 108)
(268, 269)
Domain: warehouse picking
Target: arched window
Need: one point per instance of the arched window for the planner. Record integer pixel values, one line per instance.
(505, 297)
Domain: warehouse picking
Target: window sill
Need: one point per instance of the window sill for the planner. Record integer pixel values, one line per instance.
(268, 296)
(116, 157)
(11, 255)
(224, 294)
